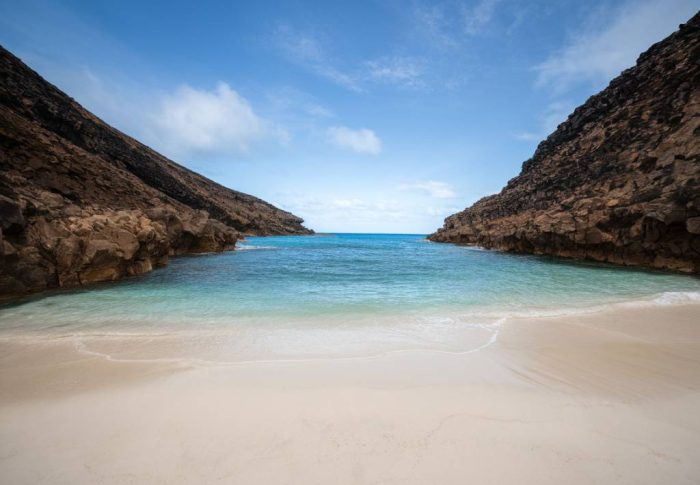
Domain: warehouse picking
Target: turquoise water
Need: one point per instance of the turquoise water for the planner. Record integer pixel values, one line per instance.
(341, 281)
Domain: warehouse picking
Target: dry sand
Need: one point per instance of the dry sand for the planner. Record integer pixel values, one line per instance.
(610, 397)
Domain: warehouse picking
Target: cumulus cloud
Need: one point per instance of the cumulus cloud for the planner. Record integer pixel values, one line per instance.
(597, 54)
(361, 141)
(190, 120)
(437, 190)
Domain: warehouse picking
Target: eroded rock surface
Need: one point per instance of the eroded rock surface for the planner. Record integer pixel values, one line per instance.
(81, 202)
(618, 181)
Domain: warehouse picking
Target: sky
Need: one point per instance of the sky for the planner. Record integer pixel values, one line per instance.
(359, 116)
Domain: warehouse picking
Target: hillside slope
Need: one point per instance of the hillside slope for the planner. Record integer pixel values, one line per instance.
(82, 202)
(618, 181)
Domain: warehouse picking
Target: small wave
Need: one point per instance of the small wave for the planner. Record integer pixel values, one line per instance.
(473, 248)
(667, 298)
(250, 247)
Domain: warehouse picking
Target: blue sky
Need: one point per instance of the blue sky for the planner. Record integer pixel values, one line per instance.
(377, 116)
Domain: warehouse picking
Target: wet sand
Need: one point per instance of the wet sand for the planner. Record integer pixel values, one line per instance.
(607, 397)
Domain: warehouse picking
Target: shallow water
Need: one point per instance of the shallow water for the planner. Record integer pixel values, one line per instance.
(345, 293)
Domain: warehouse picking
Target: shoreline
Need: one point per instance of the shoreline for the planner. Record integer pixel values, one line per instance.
(604, 397)
(658, 305)
(479, 329)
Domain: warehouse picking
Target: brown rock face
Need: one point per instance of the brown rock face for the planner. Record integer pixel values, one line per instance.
(81, 202)
(618, 181)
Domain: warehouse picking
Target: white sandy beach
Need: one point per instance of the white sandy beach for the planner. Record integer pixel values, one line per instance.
(609, 397)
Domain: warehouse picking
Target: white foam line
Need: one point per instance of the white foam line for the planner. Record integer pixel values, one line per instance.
(82, 348)
(661, 299)
(665, 299)
(671, 298)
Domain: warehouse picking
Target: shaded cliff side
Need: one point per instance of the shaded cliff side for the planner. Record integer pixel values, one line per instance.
(618, 181)
(81, 202)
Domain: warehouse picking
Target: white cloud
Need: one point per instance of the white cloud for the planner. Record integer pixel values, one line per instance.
(381, 209)
(361, 141)
(477, 17)
(597, 54)
(438, 190)
(396, 70)
(200, 121)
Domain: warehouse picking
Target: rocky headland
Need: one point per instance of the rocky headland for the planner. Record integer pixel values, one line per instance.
(618, 181)
(81, 202)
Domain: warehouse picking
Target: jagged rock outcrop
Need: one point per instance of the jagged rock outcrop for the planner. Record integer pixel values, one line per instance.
(618, 181)
(81, 202)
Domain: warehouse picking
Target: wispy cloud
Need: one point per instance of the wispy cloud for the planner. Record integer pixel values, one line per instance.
(405, 71)
(442, 211)
(318, 111)
(191, 120)
(312, 203)
(437, 190)
(294, 107)
(600, 51)
(309, 51)
(352, 213)
(434, 24)
(527, 136)
(450, 24)
(362, 140)
(554, 114)
(386, 212)
(477, 17)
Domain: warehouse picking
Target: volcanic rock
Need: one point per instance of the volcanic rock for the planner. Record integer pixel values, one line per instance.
(618, 181)
(81, 202)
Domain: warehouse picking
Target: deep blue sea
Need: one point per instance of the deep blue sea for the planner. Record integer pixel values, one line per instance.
(354, 290)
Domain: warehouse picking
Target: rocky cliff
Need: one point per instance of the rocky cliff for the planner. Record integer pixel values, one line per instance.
(81, 202)
(618, 181)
